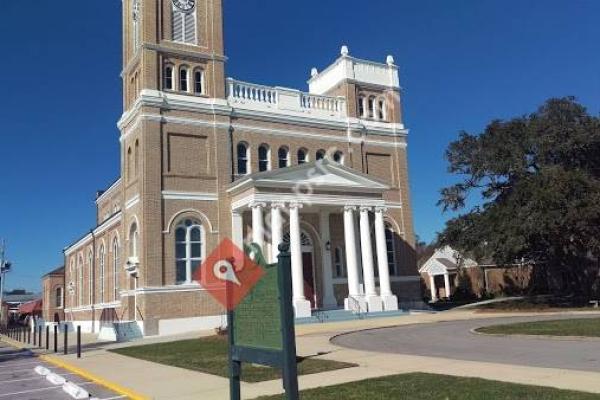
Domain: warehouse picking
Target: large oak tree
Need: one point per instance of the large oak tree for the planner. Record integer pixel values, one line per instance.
(538, 178)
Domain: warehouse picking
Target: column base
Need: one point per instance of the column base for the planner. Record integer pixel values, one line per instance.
(330, 302)
(302, 308)
(390, 303)
(355, 304)
(374, 303)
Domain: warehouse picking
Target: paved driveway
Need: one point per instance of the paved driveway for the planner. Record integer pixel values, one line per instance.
(454, 340)
(19, 381)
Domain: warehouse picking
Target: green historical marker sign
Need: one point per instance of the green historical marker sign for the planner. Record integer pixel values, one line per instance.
(261, 326)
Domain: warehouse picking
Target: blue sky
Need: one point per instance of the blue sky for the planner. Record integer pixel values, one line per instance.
(462, 64)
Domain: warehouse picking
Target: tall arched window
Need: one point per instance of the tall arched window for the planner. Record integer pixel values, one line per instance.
(284, 157)
(390, 243)
(133, 240)
(264, 158)
(302, 156)
(129, 163)
(91, 276)
(116, 262)
(372, 107)
(321, 154)
(338, 157)
(361, 106)
(101, 272)
(381, 111)
(58, 297)
(189, 250)
(242, 159)
(80, 280)
(199, 81)
(169, 77)
(339, 269)
(136, 157)
(184, 25)
(183, 79)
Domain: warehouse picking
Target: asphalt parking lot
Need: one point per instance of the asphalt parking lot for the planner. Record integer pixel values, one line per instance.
(19, 381)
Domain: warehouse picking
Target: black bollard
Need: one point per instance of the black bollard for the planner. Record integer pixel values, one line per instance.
(40, 337)
(66, 339)
(56, 338)
(34, 337)
(48, 337)
(79, 341)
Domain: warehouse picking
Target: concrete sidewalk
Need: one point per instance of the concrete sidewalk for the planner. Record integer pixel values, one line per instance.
(164, 382)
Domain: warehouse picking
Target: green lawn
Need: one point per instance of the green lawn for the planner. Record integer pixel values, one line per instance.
(567, 327)
(209, 355)
(436, 387)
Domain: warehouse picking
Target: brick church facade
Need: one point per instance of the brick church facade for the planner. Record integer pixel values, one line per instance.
(204, 158)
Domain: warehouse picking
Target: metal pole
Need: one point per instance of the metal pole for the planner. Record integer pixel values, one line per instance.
(66, 339)
(28, 335)
(78, 341)
(56, 338)
(47, 337)
(40, 337)
(2, 277)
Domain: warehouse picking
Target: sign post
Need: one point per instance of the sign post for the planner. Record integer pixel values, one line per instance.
(261, 327)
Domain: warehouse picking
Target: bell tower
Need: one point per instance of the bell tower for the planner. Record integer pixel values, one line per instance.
(173, 46)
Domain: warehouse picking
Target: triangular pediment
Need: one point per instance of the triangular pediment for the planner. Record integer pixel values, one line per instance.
(319, 175)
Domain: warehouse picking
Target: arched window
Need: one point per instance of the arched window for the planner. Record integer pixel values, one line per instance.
(183, 79)
(80, 280)
(184, 25)
(339, 269)
(242, 159)
(101, 272)
(372, 107)
(116, 261)
(189, 250)
(136, 157)
(361, 106)
(321, 154)
(199, 81)
(284, 157)
(169, 77)
(129, 163)
(302, 156)
(58, 297)
(390, 243)
(91, 277)
(264, 158)
(133, 240)
(381, 110)
(136, 24)
(338, 157)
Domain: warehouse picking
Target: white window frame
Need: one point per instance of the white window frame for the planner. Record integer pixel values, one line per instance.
(166, 77)
(102, 271)
(306, 156)
(390, 247)
(189, 259)
(202, 81)
(91, 277)
(339, 264)
(183, 27)
(116, 261)
(59, 293)
(80, 280)
(243, 160)
(267, 158)
(286, 159)
(187, 79)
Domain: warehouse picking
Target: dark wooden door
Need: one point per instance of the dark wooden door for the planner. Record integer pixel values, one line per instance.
(309, 278)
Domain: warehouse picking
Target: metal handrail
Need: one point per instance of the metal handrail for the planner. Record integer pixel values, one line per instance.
(356, 308)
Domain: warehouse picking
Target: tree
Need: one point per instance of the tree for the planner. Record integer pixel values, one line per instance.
(538, 178)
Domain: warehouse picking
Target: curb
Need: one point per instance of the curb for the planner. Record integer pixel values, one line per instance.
(94, 378)
(475, 331)
(81, 372)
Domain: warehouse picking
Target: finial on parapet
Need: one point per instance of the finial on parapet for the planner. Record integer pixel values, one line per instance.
(345, 51)
(390, 60)
(314, 72)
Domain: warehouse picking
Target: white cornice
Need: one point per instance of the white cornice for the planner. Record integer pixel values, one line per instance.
(322, 200)
(171, 195)
(108, 191)
(132, 201)
(109, 223)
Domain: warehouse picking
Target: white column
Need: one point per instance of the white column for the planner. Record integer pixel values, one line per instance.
(447, 285)
(237, 229)
(390, 302)
(258, 224)
(276, 230)
(373, 301)
(354, 302)
(432, 288)
(301, 305)
(329, 299)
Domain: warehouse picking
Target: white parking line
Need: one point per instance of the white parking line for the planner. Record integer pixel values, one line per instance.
(113, 398)
(39, 390)
(16, 370)
(20, 364)
(29, 379)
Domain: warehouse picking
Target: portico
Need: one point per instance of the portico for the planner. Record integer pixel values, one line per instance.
(300, 203)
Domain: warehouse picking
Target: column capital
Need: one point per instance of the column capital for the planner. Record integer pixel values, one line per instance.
(349, 208)
(278, 204)
(365, 209)
(296, 205)
(257, 204)
(381, 209)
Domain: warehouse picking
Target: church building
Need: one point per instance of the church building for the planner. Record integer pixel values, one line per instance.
(205, 158)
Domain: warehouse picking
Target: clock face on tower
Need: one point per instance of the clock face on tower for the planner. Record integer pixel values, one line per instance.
(185, 5)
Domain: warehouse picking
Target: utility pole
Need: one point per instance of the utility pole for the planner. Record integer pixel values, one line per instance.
(4, 268)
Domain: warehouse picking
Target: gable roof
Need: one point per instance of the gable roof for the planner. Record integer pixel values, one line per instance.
(323, 174)
(445, 260)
